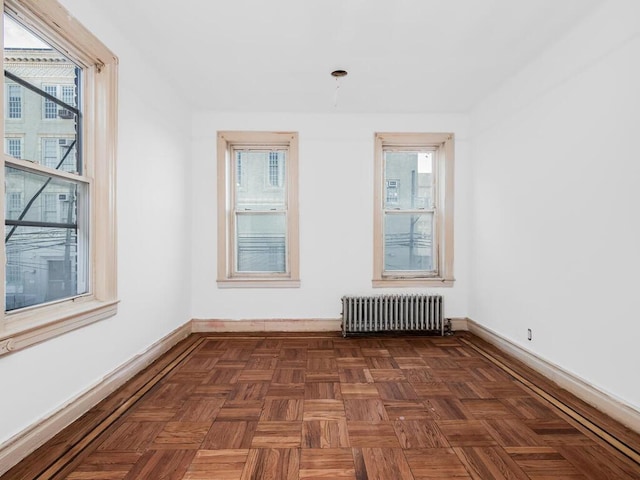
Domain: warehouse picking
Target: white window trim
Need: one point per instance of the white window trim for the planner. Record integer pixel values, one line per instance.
(100, 67)
(226, 277)
(442, 143)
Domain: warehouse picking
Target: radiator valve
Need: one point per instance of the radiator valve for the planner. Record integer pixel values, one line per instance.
(447, 327)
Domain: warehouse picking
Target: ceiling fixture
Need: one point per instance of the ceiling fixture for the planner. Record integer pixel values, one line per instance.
(338, 74)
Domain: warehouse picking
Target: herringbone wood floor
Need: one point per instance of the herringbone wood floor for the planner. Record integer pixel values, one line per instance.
(322, 407)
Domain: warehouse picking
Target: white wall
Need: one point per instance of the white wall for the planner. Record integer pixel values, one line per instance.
(556, 229)
(153, 230)
(336, 213)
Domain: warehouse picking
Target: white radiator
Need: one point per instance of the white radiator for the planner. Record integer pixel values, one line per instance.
(392, 313)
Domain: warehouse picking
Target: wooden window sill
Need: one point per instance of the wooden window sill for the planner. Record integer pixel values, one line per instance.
(412, 282)
(259, 283)
(24, 329)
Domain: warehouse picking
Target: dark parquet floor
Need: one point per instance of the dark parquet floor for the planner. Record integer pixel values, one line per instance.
(288, 407)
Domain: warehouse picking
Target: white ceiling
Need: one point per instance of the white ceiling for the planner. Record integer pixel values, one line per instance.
(401, 55)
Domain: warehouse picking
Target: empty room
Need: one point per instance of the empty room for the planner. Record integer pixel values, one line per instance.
(346, 239)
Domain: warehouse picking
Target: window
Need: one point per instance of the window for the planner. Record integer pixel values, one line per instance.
(53, 110)
(59, 154)
(50, 152)
(50, 206)
(392, 191)
(257, 209)
(59, 166)
(50, 109)
(13, 147)
(14, 101)
(274, 169)
(14, 274)
(68, 94)
(413, 224)
(13, 203)
(239, 170)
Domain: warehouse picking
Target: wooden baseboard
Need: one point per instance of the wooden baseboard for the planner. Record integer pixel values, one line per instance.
(284, 325)
(613, 407)
(25, 442)
(459, 324)
(271, 325)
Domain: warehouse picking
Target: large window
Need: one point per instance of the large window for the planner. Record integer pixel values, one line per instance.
(59, 165)
(413, 224)
(257, 209)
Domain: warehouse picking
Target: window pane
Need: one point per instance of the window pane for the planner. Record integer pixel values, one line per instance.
(260, 179)
(408, 179)
(408, 242)
(43, 265)
(44, 262)
(33, 197)
(261, 242)
(49, 131)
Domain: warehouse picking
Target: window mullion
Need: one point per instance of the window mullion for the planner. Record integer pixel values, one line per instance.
(43, 170)
(409, 210)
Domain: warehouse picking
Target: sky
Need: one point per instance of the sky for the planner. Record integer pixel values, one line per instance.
(16, 36)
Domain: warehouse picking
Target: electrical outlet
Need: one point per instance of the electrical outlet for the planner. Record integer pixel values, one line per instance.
(529, 336)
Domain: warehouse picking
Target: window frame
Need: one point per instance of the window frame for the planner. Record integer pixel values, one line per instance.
(227, 142)
(24, 327)
(442, 144)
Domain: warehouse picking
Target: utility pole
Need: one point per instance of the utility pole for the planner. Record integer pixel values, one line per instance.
(413, 219)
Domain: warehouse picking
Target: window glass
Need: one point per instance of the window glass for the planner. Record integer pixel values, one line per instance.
(260, 186)
(413, 221)
(46, 221)
(408, 242)
(43, 239)
(408, 237)
(409, 179)
(257, 209)
(59, 180)
(261, 240)
(42, 93)
(260, 237)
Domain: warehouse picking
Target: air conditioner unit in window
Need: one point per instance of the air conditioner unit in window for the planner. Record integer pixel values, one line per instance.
(65, 114)
(63, 197)
(64, 142)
